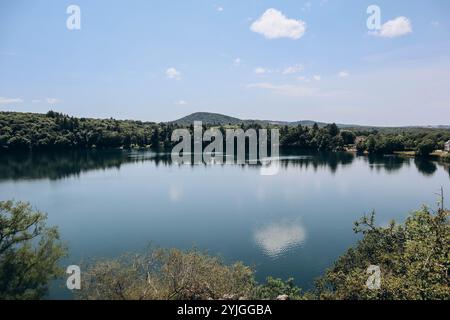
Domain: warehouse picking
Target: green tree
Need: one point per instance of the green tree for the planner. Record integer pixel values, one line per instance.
(414, 259)
(348, 137)
(29, 252)
(425, 147)
(371, 144)
(332, 129)
(273, 288)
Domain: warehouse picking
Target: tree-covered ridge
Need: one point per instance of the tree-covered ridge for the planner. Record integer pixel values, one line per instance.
(208, 118)
(57, 131)
(217, 119)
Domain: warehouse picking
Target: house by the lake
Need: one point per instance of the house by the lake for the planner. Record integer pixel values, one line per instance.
(447, 146)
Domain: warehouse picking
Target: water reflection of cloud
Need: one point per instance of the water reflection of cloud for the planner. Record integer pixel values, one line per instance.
(278, 238)
(175, 193)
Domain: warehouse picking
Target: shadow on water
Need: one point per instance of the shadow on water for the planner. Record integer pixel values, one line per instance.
(56, 165)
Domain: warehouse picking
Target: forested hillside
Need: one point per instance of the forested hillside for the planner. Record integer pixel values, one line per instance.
(58, 131)
(55, 130)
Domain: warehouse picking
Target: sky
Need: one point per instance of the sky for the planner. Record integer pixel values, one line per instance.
(160, 60)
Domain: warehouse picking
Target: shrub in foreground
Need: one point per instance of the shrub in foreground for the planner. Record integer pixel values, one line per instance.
(414, 259)
(29, 252)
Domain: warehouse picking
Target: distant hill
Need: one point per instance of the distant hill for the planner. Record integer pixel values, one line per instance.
(208, 118)
(220, 119)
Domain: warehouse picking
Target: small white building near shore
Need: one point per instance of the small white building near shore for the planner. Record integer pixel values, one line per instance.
(447, 146)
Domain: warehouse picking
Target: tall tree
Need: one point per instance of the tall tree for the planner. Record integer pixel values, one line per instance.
(29, 252)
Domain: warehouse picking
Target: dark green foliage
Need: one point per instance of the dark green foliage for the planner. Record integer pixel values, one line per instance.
(414, 259)
(23, 131)
(57, 131)
(273, 288)
(216, 119)
(29, 252)
(348, 137)
(425, 147)
(387, 140)
(312, 138)
(209, 119)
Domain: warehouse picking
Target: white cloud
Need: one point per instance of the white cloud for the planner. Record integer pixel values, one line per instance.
(343, 74)
(307, 7)
(219, 8)
(274, 24)
(397, 27)
(293, 69)
(173, 73)
(181, 102)
(260, 70)
(286, 89)
(317, 77)
(4, 100)
(237, 62)
(303, 78)
(53, 100)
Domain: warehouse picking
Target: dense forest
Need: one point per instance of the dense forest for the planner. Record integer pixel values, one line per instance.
(58, 131)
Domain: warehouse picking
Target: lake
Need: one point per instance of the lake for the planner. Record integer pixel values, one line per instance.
(292, 224)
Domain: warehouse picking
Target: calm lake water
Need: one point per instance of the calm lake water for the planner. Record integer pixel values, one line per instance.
(293, 224)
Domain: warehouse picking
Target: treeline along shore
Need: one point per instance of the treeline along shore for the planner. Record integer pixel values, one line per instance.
(53, 130)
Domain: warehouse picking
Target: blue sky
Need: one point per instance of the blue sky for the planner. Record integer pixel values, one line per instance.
(280, 60)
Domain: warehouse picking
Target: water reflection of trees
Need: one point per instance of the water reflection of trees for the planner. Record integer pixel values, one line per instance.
(59, 165)
(425, 166)
(331, 160)
(395, 163)
(386, 163)
(55, 165)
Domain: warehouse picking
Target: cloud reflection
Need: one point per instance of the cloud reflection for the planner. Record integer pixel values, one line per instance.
(278, 238)
(175, 193)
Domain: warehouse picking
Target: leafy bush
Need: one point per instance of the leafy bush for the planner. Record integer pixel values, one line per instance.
(277, 287)
(414, 259)
(166, 274)
(29, 252)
